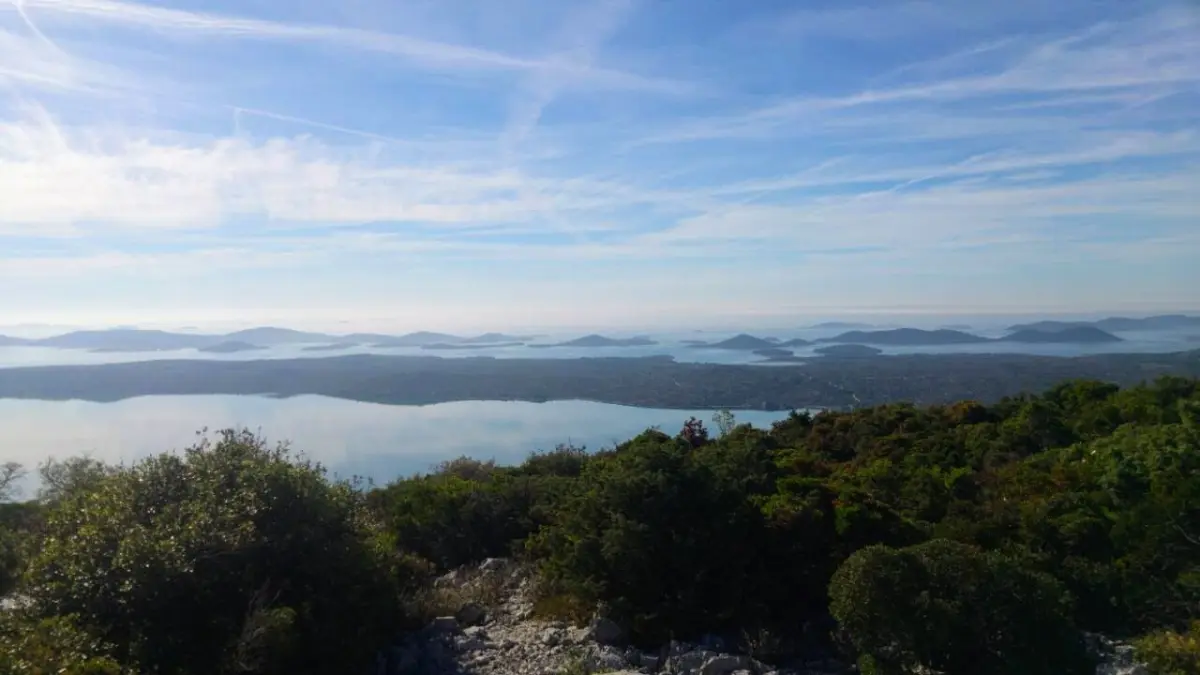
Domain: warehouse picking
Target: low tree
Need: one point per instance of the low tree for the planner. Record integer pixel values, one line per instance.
(10, 474)
(230, 557)
(952, 608)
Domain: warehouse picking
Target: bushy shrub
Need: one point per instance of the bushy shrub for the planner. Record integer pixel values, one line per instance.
(1171, 653)
(952, 608)
(55, 646)
(663, 534)
(232, 557)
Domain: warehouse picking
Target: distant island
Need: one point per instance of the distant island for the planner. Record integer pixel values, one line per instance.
(450, 346)
(748, 343)
(907, 337)
(271, 337)
(740, 342)
(841, 325)
(1072, 335)
(848, 351)
(591, 341)
(915, 337)
(775, 353)
(126, 340)
(418, 339)
(653, 382)
(334, 347)
(496, 339)
(230, 347)
(1118, 324)
(138, 340)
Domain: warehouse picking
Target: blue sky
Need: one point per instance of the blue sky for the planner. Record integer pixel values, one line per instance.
(461, 164)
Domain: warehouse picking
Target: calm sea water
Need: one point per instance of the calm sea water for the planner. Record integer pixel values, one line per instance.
(351, 438)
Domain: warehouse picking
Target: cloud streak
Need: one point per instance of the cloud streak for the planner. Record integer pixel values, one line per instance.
(596, 153)
(425, 52)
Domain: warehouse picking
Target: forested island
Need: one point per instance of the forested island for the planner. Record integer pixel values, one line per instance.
(652, 382)
(894, 539)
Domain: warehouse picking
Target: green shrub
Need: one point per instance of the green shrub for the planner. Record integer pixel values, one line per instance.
(232, 557)
(55, 646)
(952, 608)
(1171, 653)
(660, 532)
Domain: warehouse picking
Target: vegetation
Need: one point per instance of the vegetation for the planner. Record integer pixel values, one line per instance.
(651, 382)
(960, 538)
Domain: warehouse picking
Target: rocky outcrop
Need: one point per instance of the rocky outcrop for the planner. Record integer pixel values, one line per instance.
(506, 639)
(502, 637)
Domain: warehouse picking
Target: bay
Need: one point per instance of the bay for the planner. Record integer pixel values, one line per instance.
(380, 442)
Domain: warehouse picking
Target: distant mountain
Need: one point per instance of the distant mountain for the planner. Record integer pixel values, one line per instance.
(335, 347)
(955, 326)
(127, 340)
(795, 342)
(418, 339)
(848, 351)
(6, 341)
(907, 337)
(450, 346)
(1071, 335)
(230, 347)
(602, 341)
(269, 336)
(1117, 323)
(742, 342)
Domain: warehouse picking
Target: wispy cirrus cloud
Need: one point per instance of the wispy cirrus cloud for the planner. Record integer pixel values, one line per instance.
(424, 52)
(592, 150)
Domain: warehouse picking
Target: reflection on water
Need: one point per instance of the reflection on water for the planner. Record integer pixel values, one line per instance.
(378, 441)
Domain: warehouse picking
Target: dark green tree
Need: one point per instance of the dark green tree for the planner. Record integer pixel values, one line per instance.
(952, 608)
(230, 557)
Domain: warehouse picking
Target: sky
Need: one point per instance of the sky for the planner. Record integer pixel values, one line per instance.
(480, 164)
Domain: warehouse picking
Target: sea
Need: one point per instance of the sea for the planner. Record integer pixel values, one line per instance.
(383, 442)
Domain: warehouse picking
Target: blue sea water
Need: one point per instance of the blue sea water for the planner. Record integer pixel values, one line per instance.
(371, 440)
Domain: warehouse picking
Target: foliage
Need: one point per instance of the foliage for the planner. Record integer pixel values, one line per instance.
(53, 646)
(232, 557)
(654, 530)
(61, 478)
(1171, 653)
(952, 608)
(10, 473)
(935, 535)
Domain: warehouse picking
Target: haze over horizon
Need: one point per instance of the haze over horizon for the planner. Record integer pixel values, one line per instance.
(468, 165)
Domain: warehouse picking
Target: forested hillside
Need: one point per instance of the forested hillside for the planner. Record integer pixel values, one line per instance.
(961, 538)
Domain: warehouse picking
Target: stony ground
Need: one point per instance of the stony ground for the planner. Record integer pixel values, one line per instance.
(504, 638)
(493, 632)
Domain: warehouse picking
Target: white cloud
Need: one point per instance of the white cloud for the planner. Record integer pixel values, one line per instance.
(68, 180)
(108, 171)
